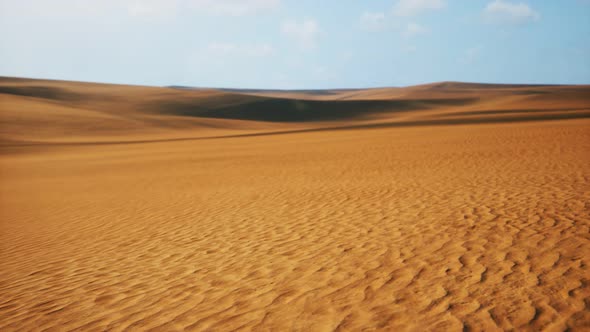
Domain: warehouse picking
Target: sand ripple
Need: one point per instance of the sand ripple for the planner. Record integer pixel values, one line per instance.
(477, 227)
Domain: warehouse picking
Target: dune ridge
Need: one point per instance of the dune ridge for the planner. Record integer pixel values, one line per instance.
(442, 207)
(87, 111)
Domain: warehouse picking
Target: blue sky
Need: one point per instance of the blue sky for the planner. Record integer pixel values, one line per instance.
(296, 44)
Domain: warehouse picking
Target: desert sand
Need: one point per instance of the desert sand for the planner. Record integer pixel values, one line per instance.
(442, 207)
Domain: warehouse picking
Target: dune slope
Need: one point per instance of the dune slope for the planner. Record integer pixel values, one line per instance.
(464, 212)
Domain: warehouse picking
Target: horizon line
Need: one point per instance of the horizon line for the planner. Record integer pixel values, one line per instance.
(188, 87)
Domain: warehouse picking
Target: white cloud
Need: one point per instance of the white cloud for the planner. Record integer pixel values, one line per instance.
(151, 8)
(415, 7)
(241, 50)
(232, 7)
(500, 11)
(135, 8)
(59, 8)
(261, 50)
(414, 29)
(304, 33)
(372, 21)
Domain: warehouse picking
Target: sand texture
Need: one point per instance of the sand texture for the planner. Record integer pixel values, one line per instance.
(442, 207)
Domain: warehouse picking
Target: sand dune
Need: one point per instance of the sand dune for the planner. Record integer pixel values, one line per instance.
(449, 206)
(101, 112)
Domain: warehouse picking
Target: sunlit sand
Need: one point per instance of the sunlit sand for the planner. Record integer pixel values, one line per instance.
(448, 206)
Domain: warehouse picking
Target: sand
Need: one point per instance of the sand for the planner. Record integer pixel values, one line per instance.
(445, 207)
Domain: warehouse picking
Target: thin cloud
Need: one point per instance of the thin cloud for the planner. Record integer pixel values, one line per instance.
(242, 50)
(414, 29)
(232, 7)
(152, 8)
(504, 12)
(415, 7)
(134, 8)
(370, 21)
(304, 33)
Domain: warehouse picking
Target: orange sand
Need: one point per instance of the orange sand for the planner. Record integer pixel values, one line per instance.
(448, 206)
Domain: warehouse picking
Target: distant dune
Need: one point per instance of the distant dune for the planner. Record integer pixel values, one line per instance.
(441, 207)
(87, 111)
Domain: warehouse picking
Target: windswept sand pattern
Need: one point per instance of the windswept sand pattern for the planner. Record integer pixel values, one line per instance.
(458, 227)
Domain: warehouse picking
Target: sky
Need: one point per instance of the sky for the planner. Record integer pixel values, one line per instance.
(296, 44)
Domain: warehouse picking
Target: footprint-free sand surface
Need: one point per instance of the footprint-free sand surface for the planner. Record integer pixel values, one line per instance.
(443, 207)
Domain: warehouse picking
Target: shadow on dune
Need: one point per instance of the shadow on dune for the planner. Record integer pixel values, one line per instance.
(235, 106)
(149, 108)
(514, 111)
(6, 146)
(308, 92)
(295, 110)
(43, 92)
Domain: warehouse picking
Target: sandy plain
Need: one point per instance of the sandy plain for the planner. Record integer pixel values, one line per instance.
(442, 207)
